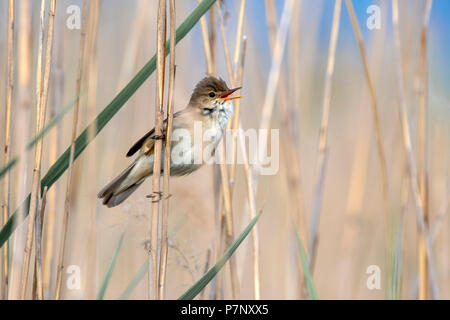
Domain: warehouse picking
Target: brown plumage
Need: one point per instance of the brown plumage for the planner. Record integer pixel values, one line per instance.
(209, 103)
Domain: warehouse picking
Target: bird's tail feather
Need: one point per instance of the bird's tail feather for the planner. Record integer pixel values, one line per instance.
(114, 193)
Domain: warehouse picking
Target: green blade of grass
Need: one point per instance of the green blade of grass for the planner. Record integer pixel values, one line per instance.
(107, 277)
(61, 165)
(137, 278)
(192, 292)
(11, 163)
(306, 270)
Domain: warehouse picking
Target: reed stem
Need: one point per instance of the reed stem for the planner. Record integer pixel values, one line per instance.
(7, 147)
(159, 111)
(42, 97)
(69, 184)
(167, 150)
(323, 136)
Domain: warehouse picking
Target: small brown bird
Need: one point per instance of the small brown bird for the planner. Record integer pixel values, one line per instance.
(210, 106)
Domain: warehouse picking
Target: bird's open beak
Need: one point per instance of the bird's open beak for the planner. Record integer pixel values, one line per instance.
(226, 95)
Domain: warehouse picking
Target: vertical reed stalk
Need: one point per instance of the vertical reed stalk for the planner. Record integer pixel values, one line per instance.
(54, 143)
(275, 70)
(375, 115)
(213, 38)
(323, 145)
(240, 28)
(42, 95)
(268, 107)
(160, 62)
(237, 79)
(38, 289)
(422, 153)
(69, 185)
(236, 126)
(215, 284)
(206, 45)
(358, 186)
(91, 71)
(288, 111)
(7, 149)
(209, 50)
(22, 122)
(411, 164)
(167, 149)
(226, 191)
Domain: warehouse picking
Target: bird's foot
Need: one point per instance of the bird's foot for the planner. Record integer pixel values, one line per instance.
(157, 196)
(161, 136)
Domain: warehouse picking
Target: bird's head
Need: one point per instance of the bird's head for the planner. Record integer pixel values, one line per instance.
(210, 95)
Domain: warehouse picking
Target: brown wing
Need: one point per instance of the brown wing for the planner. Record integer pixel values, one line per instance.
(147, 140)
(141, 142)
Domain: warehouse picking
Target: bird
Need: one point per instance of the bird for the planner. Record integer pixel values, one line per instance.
(210, 106)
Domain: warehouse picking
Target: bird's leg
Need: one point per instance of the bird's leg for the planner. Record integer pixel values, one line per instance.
(157, 196)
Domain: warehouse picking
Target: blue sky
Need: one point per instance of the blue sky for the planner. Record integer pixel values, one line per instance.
(438, 33)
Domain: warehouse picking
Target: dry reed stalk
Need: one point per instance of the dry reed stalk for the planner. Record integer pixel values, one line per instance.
(323, 146)
(287, 115)
(89, 84)
(161, 62)
(225, 199)
(38, 289)
(226, 192)
(91, 71)
(411, 164)
(22, 122)
(167, 149)
(7, 149)
(237, 76)
(252, 206)
(54, 143)
(275, 69)
(206, 45)
(273, 79)
(234, 123)
(250, 185)
(237, 126)
(90, 67)
(288, 112)
(216, 167)
(422, 153)
(358, 181)
(127, 68)
(271, 21)
(358, 176)
(69, 184)
(289, 108)
(375, 115)
(213, 38)
(42, 95)
(240, 29)
(210, 52)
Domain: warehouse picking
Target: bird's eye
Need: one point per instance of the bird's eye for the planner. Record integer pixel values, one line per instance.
(212, 94)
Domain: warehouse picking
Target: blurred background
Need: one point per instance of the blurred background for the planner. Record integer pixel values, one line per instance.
(354, 231)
